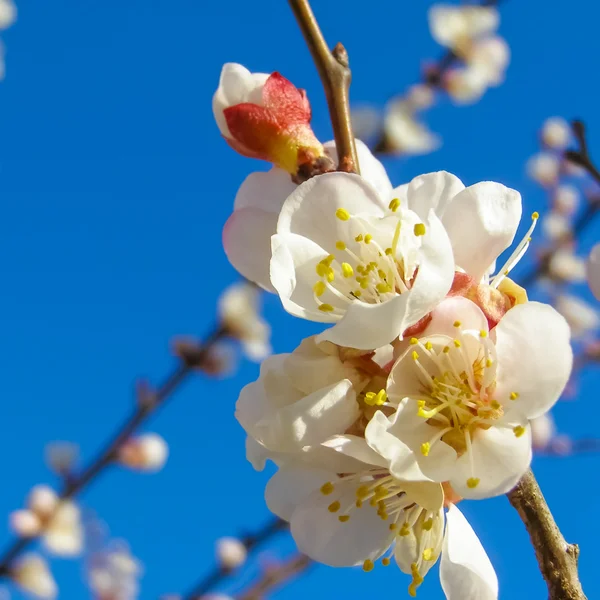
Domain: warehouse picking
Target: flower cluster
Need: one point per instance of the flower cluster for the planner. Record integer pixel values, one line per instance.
(420, 392)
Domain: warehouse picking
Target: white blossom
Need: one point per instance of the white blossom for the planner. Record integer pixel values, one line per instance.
(113, 573)
(556, 133)
(43, 501)
(556, 226)
(231, 552)
(239, 310)
(593, 271)
(465, 395)
(567, 266)
(404, 133)
(146, 452)
(566, 199)
(25, 523)
(8, 13)
(453, 26)
(581, 316)
(542, 431)
(544, 168)
(31, 574)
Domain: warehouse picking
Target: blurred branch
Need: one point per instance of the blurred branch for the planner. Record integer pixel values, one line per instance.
(557, 559)
(191, 357)
(335, 76)
(581, 157)
(251, 542)
(276, 575)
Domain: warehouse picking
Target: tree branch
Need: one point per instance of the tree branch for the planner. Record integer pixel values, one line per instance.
(582, 156)
(276, 575)
(335, 77)
(191, 357)
(557, 559)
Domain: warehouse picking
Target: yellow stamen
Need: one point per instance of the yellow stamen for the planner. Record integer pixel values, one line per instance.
(394, 204)
(347, 270)
(327, 488)
(368, 238)
(514, 395)
(358, 238)
(415, 355)
(535, 216)
(344, 518)
(420, 229)
(414, 341)
(483, 333)
(457, 323)
(368, 565)
(326, 308)
(519, 431)
(385, 561)
(342, 214)
(319, 288)
(428, 345)
(457, 343)
(334, 506)
(425, 447)
(340, 245)
(427, 525)
(472, 482)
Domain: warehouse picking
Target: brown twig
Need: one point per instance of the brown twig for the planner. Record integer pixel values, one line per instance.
(190, 358)
(557, 559)
(581, 157)
(333, 67)
(217, 575)
(276, 575)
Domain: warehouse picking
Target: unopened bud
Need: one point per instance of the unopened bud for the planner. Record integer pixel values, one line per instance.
(556, 133)
(31, 573)
(231, 552)
(25, 523)
(566, 199)
(61, 456)
(267, 117)
(43, 501)
(147, 452)
(544, 168)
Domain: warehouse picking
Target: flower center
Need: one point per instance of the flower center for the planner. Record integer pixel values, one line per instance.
(377, 260)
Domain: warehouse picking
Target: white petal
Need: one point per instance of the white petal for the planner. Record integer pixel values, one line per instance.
(265, 190)
(291, 485)
(534, 357)
(498, 460)
(371, 168)
(455, 309)
(593, 271)
(247, 242)
(481, 222)
(433, 191)
(319, 534)
(355, 447)
(310, 210)
(466, 572)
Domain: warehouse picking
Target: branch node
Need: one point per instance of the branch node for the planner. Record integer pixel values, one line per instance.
(340, 54)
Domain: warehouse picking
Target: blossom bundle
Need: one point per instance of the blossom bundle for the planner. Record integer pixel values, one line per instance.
(421, 391)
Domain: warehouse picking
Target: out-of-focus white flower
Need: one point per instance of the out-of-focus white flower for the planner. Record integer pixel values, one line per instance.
(566, 199)
(542, 431)
(420, 96)
(489, 57)
(42, 500)
(265, 116)
(405, 134)
(217, 597)
(581, 317)
(61, 456)
(544, 168)
(556, 133)
(8, 13)
(113, 573)
(593, 271)
(247, 233)
(368, 514)
(343, 254)
(465, 397)
(453, 26)
(366, 121)
(231, 552)
(25, 523)
(63, 533)
(556, 226)
(239, 310)
(466, 85)
(31, 573)
(565, 265)
(146, 452)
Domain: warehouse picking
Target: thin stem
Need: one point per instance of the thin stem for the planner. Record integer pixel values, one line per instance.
(148, 403)
(335, 77)
(582, 156)
(557, 559)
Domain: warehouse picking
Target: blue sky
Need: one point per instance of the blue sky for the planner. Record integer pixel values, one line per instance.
(115, 185)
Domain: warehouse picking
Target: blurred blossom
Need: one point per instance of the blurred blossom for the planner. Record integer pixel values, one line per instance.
(566, 199)
(366, 122)
(556, 226)
(454, 26)
(8, 13)
(556, 133)
(404, 133)
(582, 317)
(32, 575)
(146, 452)
(542, 431)
(25, 523)
(544, 168)
(239, 310)
(490, 58)
(61, 456)
(420, 96)
(565, 265)
(217, 597)
(231, 552)
(42, 500)
(593, 271)
(222, 360)
(465, 85)
(113, 573)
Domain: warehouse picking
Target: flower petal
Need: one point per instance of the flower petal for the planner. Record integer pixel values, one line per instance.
(481, 222)
(355, 447)
(498, 459)
(534, 357)
(466, 572)
(265, 190)
(454, 309)
(433, 191)
(319, 534)
(247, 243)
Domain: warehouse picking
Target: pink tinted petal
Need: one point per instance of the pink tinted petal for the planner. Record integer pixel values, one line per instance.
(265, 190)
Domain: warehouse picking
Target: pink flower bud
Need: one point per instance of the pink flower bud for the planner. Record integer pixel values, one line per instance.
(146, 452)
(266, 117)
